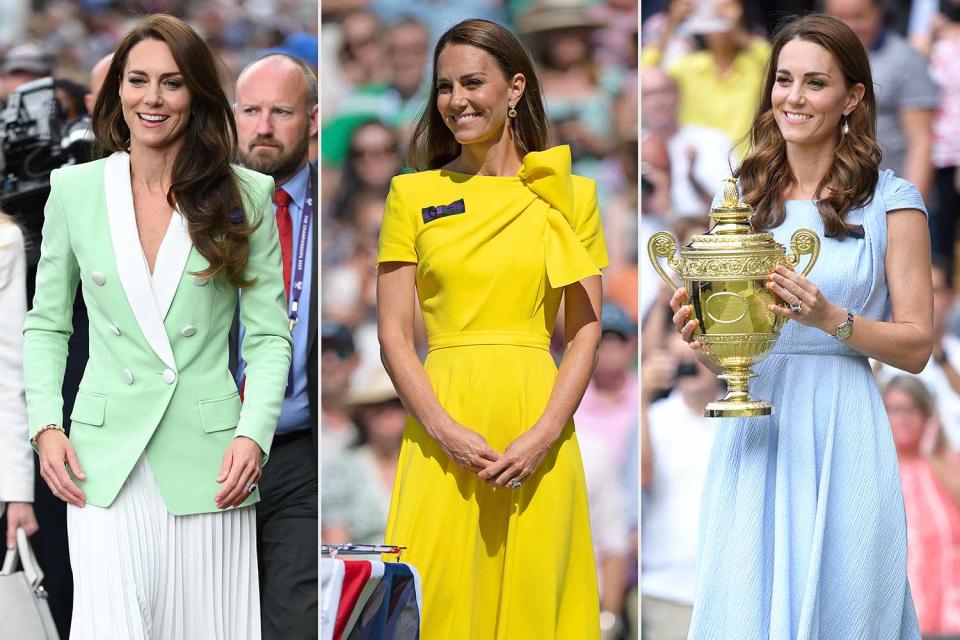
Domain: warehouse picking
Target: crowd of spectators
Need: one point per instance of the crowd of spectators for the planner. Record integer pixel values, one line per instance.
(702, 64)
(376, 58)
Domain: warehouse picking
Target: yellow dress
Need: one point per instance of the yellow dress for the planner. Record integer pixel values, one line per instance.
(495, 564)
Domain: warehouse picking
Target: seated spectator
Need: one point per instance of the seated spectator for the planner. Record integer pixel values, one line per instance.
(338, 360)
(362, 55)
(622, 277)
(906, 94)
(350, 278)
(373, 158)
(358, 481)
(931, 498)
(579, 94)
(700, 157)
(720, 85)
(942, 373)
(408, 51)
(676, 440)
(619, 206)
(609, 405)
(362, 85)
(655, 176)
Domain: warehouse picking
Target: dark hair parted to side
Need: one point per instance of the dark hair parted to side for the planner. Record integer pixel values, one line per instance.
(432, 144)
(852, 178)
(204, 188)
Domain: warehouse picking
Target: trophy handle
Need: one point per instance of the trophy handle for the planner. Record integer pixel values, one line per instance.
(804, 242)
(662, 244)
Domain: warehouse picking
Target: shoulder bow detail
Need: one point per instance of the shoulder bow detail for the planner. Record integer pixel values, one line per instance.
(548, 175)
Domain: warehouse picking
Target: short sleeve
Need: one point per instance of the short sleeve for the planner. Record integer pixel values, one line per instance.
(588, 225)
(919, 91)
(397, 231)
(898, 193)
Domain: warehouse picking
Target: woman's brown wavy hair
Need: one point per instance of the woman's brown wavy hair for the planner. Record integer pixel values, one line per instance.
(432, 144)
(765, 174)
(204, 188)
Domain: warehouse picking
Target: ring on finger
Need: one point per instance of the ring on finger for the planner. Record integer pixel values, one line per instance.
(797, 306)
(514, 484)
(251, 487)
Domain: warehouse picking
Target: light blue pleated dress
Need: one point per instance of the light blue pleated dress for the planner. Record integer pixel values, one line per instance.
(802, 530)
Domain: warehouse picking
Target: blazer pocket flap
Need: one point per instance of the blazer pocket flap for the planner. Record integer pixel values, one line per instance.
(89, 408)
(217, 415)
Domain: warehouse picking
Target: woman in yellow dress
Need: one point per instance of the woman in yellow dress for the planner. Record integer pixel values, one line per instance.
(489, 495)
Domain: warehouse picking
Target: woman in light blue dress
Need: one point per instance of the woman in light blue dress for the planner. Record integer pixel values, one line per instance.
(803, 534)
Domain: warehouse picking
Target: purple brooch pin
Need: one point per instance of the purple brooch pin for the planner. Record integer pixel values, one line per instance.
(432, 213)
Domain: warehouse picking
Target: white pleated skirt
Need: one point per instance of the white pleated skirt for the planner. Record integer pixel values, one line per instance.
(140, 573)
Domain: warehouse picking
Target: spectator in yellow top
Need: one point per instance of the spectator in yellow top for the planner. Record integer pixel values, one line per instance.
(719, 85)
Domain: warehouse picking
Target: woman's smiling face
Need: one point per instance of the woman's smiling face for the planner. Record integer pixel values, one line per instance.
(154, 98)
(810, 95)
(473, 96)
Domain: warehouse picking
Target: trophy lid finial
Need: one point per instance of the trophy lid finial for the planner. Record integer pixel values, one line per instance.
(731, 194)
(731, 214)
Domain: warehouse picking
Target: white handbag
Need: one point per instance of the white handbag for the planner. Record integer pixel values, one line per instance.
(24, 611)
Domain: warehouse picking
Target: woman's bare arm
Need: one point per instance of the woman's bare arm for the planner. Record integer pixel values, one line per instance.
(396, 299)
(906, 340)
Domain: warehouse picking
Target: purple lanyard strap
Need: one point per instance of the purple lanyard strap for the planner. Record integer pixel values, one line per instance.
(300, 261)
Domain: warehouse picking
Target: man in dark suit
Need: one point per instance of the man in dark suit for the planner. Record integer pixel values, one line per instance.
(276, 111)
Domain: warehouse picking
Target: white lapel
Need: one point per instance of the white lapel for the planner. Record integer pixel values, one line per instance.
(171, 260)
(131, 264)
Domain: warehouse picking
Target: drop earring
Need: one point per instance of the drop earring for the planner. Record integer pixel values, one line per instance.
(512, 112)
(846, 125)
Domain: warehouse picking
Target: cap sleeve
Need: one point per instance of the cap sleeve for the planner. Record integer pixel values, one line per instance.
(397, 232)
(898, 193)
(587, 223)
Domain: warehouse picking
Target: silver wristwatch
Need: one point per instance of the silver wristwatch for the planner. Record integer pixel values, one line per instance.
(845, 328)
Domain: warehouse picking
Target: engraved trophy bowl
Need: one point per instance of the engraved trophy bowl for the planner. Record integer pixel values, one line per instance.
(725, 273)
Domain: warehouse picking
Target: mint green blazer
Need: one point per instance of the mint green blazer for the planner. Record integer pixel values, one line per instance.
(157, 380)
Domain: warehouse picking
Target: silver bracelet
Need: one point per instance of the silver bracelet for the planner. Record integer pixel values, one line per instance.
(47, 427)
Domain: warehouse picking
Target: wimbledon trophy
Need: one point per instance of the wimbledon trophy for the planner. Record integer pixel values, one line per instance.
(725, 273)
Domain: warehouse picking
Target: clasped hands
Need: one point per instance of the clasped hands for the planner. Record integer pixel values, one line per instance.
(241, 468)
(471, 451)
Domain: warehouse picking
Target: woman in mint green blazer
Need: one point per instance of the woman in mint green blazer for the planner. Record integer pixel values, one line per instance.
(163, 456)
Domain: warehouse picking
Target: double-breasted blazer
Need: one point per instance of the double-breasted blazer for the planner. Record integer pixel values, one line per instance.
(157, 380)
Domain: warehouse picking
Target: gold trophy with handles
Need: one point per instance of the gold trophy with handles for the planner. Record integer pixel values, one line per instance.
(725, 274)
